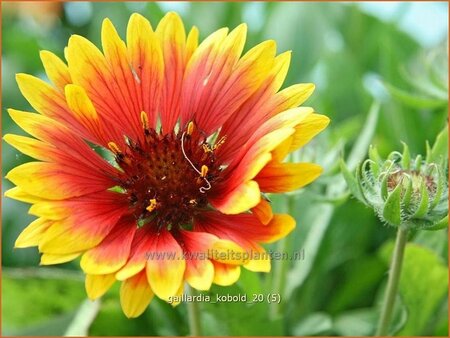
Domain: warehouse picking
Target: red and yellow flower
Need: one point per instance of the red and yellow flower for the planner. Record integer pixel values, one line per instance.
(160, 145)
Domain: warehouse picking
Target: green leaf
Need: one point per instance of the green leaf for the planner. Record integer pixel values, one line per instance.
(392, 210)
(423, 285)
(359, 149)
(50, 298)
(415, 101)
(318, 323)
(359, 322)
(301, 269)
(239, 318)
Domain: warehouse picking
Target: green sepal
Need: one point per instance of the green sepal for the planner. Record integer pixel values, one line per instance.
(373, 154)
(392, 207)
(407, 192)
(439, 151)
(406, 157)
(422, 209)
(439, 190)
(418, 162)
(442, 224)
(384, 186)
(352, 183)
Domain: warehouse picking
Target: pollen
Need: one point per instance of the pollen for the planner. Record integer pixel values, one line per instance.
(152, 206)
(190, 128)
(204, 171)
(114, 148)
(144, 120)
(219, 143)
(206, 148)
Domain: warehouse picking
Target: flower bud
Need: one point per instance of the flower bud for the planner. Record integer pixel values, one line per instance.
(403, 191)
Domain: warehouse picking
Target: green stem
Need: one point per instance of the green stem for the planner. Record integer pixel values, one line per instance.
(281, 266)
(195, 328)
(392, 286)
(278, 281)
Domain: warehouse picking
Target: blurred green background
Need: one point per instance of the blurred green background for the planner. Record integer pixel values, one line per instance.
(355, 53)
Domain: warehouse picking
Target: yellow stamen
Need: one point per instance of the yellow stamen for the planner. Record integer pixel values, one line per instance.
(193, 202)
(152, 206)
(114, 148)
(206, 148)
(144, 119)
(190, 128)
(204, 171)
(220, 142)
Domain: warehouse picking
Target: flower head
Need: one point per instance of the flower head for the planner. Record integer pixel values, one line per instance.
(153, 156)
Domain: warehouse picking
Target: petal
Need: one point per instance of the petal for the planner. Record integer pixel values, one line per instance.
(90, 219)
(244, 229)
(56, 181)
(50, 259)
(199, 274)
(266, 138)
(171, 32)
(146, 60)
(191, 43)
(279, 227)
(176, 300)
(76, 151)
(84, 111)
(259, 261)
(112, 253)
(228, 252)
(282, 150)
(244, 197)
(228, 93)
(209, 79)
(197, 70)
(49, 102)
(226, 274)
(126, 83)
(32, 234)
(307, 129)
(57, 71)
(50, 210)
(97, 285)
(239, 192)
(89, 69)
(263, 211)
(165, 268)
(32, 147)
(282, 177)
(140, 247)
(20, 195)
(255, 111)
(135, 295)
(228, 196)
(199, 270)
(292, 96)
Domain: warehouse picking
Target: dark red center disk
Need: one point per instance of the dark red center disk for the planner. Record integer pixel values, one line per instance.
(167, 176)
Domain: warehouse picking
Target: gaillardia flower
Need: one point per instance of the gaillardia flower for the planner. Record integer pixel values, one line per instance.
(152, 157)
